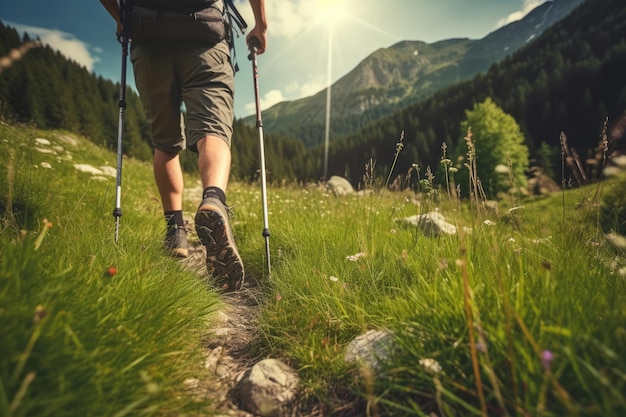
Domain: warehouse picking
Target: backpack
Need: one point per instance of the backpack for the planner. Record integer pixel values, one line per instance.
(205, 21)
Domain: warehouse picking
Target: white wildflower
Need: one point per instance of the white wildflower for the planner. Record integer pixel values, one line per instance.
(46, 165)
(355, 257)
(430, 365)
(333, 278)
(489, 223)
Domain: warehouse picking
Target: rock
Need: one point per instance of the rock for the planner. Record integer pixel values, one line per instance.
(88, 169)
(69, 140)
(433, 224)
(109, 171)
(339, 186)
(268, 388)
(43, 150)
(370, 349)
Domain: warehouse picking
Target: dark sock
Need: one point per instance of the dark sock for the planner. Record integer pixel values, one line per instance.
(174, 218)
(216, 192)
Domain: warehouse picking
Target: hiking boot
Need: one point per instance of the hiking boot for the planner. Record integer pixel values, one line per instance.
(176, 241)
(223, 262)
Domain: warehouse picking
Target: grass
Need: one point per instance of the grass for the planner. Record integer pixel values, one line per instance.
(90, 327)
(524, 315)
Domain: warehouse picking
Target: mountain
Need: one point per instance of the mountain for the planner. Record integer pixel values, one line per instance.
(403, 74)
(570, 80)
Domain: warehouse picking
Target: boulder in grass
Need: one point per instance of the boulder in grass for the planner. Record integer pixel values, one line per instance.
(433, 224)
(339, 186)
(370, 349)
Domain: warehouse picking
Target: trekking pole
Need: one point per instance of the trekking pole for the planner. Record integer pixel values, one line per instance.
(259, 125)
(117, 211)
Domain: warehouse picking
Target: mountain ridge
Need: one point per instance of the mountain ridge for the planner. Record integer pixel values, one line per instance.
(403, 74)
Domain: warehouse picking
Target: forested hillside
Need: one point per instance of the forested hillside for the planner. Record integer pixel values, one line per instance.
(48, 90)
(569, 79)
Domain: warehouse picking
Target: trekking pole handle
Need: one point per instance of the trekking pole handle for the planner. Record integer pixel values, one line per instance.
(254, 47)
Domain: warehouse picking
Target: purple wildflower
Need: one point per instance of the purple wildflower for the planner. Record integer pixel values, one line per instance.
(546, 359)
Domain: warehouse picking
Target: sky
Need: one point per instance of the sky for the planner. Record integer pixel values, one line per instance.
(310, 42)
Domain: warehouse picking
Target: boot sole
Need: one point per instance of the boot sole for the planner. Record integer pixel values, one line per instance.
(223, 262)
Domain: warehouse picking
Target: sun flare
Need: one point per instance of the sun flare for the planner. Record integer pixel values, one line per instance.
(331, 12)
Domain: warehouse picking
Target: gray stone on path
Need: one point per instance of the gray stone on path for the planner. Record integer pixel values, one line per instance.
(268, 388)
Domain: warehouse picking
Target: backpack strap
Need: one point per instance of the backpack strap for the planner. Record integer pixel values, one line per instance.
(231, 14)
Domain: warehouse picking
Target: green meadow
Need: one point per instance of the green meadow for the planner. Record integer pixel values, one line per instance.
(520, 313)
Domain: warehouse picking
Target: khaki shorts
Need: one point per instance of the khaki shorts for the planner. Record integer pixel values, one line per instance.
(170, 73)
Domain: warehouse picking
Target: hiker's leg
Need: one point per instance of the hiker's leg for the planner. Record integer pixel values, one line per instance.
(169, 179)
(214, 162)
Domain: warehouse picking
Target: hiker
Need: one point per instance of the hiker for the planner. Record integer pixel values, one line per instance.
(177, 63)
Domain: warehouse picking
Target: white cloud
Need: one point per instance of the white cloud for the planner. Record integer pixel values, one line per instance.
(66, 43)
(312, 87)
(296, 90)
(271, 97)
(287, 18)
(527, 7)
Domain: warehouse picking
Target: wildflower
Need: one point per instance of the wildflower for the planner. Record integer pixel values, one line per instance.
(279, 297)
(430, 365)
(333, 278)
(489, 223)
(46, 165)
(355, 257)
(111, 271)
(546, 359)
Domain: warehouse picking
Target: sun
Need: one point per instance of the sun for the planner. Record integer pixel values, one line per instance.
(331, 12)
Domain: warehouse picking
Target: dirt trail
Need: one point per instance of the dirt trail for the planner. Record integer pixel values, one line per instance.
(229, 352)
(228, 346)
